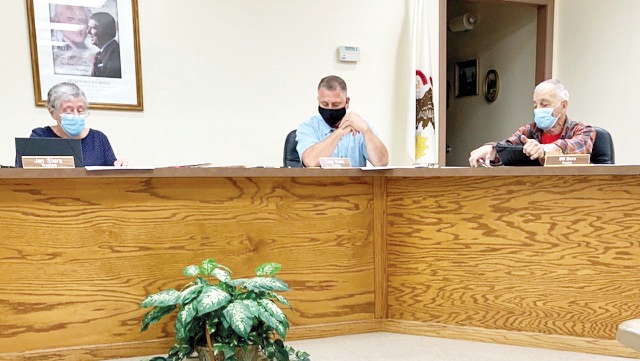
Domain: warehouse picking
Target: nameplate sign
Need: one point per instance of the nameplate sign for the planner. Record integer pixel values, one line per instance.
(559, 160)
(39, 162)
(326, 162)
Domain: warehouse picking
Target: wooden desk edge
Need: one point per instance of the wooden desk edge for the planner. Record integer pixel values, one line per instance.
(230, 172)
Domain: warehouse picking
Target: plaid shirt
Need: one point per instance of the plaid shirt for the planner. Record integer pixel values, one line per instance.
(576, 138)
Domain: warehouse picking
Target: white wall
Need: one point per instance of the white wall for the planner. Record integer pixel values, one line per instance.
(504, 39)
(597, 56)
(225, 81)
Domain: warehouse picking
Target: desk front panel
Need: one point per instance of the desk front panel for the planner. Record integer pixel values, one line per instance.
(78, 255)
(546, 254)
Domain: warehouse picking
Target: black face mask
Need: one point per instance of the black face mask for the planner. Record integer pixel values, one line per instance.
(332, 116)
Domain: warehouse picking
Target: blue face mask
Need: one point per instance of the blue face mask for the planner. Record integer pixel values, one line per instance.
(72, 124)
(544, 117)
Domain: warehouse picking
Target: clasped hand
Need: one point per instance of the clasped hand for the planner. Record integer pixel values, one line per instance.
(353, 123)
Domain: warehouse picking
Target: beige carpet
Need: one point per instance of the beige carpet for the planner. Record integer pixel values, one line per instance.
(396, 347)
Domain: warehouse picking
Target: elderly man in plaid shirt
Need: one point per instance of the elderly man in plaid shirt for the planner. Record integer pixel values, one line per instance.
(551, 132)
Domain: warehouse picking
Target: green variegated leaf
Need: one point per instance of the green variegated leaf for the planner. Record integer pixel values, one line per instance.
(162, 298)
(268, 269)
(207, 266)
(238, 282)
(273, 310)
(281, 352)
(189, 294)
(222, 275)
(185, 316)
(302, 356)
(266, 316)
(211, 299)
(191, 271)
(265, 284)
(225, 323)
(240, 318)
(183, 320)
(280, 298)
(252, 305)
(154, 315)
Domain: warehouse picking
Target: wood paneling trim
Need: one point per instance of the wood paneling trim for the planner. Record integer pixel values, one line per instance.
(522, 2)
(442, 84)
(9, 174)
(335, 329)
(527, 339)
(544, 42)
(161, 346)
(380, 246)
(94, 352)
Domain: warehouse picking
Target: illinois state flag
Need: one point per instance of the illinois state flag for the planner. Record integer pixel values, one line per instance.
(421, 139)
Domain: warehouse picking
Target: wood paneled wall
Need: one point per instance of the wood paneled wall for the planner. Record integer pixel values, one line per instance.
(77, 256)
(549, 255)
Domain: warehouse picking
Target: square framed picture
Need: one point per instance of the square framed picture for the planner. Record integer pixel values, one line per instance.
(466, 78)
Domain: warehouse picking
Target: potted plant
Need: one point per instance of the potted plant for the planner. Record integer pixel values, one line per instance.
(225, 318)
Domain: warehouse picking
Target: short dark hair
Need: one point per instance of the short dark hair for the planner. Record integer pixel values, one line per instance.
(106, 25)
(332, 82)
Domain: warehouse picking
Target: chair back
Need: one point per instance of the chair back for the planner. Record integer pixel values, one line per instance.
(290, 158)
(603, 151)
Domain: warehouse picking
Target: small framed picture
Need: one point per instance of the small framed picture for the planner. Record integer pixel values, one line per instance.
(466, 78)
(491, 86)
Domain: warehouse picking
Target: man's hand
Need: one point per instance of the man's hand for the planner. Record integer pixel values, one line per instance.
(352, 122)
(482, 156)
(532, 148)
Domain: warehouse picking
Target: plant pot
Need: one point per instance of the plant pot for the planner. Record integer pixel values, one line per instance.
(251, 354)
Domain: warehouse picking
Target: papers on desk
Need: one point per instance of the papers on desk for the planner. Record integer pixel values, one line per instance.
(126, 167)
(398, 167)
(209, 165)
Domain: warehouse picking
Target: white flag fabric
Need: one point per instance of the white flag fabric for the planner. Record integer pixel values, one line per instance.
(421, 142)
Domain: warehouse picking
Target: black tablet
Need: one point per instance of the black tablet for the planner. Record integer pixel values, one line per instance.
(53, 147)
(512, 155)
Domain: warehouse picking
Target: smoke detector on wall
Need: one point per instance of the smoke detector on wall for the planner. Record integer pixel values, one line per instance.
(464, 22)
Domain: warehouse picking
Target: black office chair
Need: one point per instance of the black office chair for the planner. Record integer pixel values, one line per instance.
(603, 151)
(290, 158)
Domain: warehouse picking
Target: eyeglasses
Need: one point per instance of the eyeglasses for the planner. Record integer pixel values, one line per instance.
(85, 113)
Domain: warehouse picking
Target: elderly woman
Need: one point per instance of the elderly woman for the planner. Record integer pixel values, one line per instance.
(68, 105)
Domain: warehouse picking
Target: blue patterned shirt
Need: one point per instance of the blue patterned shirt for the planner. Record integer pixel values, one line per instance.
(349, 146)
(96, 149)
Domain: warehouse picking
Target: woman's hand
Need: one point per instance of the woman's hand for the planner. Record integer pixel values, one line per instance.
(121, 163)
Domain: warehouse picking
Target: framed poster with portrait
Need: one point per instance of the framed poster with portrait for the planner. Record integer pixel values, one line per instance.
(491, 87)
(92, 43)
(466, 78)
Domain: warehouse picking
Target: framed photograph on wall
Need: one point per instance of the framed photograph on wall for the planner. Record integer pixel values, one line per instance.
(93, 43)
(491, 87)
(466, 78)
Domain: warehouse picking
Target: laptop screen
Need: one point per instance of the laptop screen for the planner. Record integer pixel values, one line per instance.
(49, 147)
